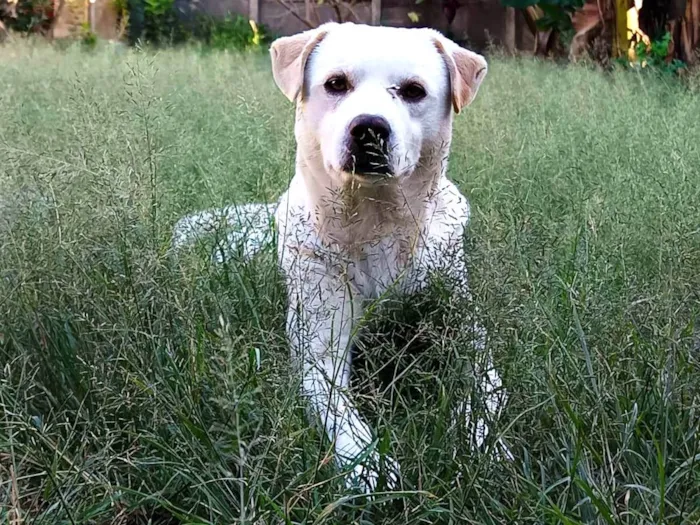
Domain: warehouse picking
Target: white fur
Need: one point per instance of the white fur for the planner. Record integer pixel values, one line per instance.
(250, 228)
(358, 50)
(344, 241)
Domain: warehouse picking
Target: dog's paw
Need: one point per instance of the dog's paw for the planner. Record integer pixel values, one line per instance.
(493, 399)
(499, 450)
(365, 475)
(478, 432)
(502, 451)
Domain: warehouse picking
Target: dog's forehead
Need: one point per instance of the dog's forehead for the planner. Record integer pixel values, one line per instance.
(378, 51)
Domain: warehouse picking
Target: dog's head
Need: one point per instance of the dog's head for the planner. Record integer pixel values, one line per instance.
(372, 99)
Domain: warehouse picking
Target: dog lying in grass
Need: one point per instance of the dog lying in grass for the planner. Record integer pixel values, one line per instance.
(369, 212)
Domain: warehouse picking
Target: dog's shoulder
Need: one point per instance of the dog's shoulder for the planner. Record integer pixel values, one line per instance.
(296, 235)
(450, 212)
(452, 205)
(445, 228)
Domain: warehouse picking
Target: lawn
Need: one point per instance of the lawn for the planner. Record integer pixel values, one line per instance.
(130, 385)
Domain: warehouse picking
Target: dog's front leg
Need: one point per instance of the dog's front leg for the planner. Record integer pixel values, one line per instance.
(488, 387)
(490, 394)
(322, 316)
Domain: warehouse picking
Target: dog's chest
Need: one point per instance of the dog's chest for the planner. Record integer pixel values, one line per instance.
(375, 267)
(398, 259)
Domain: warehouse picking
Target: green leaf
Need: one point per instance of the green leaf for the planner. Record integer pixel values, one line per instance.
(518, 4)
(570, 5)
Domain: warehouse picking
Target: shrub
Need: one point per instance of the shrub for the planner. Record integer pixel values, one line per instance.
(231, 32)
(121, 7)
(87, 36)
(158, 22)
(161, 24)
(655, 56)
(32, 16)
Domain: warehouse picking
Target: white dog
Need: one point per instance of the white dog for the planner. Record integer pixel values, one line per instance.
(370, 210)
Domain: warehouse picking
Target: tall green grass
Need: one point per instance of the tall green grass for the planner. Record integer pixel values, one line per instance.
(135, 386)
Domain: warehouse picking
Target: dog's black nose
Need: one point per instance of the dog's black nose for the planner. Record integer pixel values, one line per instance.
(368, 146)
(370, 128)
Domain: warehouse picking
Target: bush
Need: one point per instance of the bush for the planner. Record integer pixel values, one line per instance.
(231, 32)
(161, 24)
(158, 22)
(655, 56)
(87, 36)
(32, 16)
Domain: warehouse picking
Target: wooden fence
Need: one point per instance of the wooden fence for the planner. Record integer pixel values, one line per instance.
(476, 22)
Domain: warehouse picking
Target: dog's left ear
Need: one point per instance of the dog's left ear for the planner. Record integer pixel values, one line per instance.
(289, 55)
(467, 70)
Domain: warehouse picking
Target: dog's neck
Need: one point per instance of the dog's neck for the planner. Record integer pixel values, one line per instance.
(351, 214)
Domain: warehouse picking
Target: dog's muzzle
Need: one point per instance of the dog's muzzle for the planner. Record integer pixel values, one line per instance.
(368, 146)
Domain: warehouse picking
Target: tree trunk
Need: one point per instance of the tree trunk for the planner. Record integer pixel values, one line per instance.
(690, 32)
(510, 30)
(620, 39)
(684, 26)
(544, 40)
(588, 22)
(376, 12)
(676, 10)
(254, 10)
(58, 7)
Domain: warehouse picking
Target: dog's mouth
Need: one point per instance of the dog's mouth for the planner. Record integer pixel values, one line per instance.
(368, 158)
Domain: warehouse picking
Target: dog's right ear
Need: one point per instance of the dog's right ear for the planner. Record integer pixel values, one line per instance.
(289, 55)
(467, 70)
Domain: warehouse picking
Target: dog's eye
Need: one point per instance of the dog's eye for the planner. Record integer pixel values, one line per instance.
(337, 85)
(413, 92)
